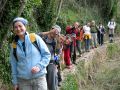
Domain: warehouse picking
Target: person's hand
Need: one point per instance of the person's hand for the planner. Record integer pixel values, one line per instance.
(62, 62)
(52, 31)
(15, 87)
(35, 69)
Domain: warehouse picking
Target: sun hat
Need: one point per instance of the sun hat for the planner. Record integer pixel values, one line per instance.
(23, 20)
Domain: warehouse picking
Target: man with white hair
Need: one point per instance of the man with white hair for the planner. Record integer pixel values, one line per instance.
(53, 69)
(111, 25)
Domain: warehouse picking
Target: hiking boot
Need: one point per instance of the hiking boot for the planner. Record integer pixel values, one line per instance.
(111, 41)
(59, 84)
(68, 67)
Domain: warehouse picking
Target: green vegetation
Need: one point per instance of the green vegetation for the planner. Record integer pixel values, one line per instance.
(9, 10)
(108, 76)
(98, 74)
(71, 83)
(74, 11)
(42, 14)
(45, 14)
(113, 51)
(5, 71)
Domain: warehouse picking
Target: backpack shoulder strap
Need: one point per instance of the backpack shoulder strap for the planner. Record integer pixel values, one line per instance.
(32, 37)
(33, 40)
(14, 46)
(14, 42)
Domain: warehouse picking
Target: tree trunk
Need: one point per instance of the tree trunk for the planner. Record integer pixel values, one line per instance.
(59, 9)
(23, 3)
(4, 33)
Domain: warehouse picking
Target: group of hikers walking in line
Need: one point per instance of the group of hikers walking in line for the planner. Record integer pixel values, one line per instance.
(36, 58)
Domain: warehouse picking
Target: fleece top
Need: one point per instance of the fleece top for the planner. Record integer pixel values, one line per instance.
(29, 58)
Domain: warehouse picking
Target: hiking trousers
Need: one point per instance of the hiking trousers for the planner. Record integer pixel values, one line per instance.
(52, 77)
(87, 44)
(67, 57)
(33, 84)
(111, 34)
(94, 39)
(74, 55)
(100, 39)
(78, 45)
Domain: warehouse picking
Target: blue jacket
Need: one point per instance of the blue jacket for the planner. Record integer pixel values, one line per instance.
(28, 59)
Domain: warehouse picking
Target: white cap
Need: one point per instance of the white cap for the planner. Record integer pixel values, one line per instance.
(58, 28)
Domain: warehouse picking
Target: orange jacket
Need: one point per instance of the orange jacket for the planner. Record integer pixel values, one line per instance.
(80, 34)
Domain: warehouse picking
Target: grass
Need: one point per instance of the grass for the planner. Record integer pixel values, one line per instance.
(113, 51)
(81, 15)
(71, 83)
(97, 76)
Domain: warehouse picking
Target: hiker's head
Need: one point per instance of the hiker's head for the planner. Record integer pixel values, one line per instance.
(100, 23)
(88, 24)
(57, 29)
(92, 23)
(76, 24)
(19, 26)
(112, 19)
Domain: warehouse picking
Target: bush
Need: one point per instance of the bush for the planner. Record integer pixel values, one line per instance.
(71, 83)
(113, 51)
(5, 69)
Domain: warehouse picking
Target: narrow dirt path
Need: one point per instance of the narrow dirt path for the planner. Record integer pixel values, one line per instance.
(87, 56)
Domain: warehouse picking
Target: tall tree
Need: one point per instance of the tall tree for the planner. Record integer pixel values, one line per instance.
(45, 14)
(58, 10)
(9, 10)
